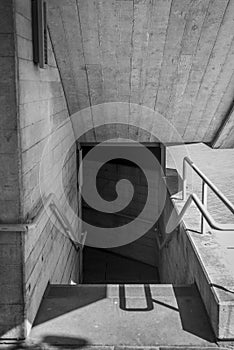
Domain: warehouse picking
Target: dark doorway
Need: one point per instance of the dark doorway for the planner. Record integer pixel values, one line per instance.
(135, 262)
(103, 267)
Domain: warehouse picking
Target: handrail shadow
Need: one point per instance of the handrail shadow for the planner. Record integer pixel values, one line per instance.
(148, 298)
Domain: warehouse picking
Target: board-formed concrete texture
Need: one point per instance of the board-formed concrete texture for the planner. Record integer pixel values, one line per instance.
(11, 259)
(122, 315)
(205, 259)
(48, 254)
(174, 56)
(32, 106)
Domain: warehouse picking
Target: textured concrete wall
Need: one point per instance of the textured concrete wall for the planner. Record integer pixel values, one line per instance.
(9, 201)
(176, 257)
(11, 290)
(172, 56)
(180, 263)
(32, 107)
(49, 255)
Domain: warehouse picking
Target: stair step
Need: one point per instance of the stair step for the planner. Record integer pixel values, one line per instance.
(122, 315)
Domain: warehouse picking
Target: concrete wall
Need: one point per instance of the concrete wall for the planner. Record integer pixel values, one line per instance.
(49, 255)
(151, 53)
(32, 107)
(11, 290)
(180, 263)
(175, 259)
(190, 258)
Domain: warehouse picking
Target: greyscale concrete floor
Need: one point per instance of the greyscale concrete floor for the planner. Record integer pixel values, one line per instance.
(122, 315)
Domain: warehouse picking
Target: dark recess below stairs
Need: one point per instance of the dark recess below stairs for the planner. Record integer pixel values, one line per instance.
(102, 267)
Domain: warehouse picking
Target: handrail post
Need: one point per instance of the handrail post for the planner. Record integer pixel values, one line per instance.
(204, 202)
(184, 194)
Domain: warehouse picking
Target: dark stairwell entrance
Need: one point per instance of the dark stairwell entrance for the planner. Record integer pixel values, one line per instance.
(102, 267)
(137, 261)
(121, 303)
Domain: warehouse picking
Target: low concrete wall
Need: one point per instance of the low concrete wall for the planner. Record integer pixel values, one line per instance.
(194, 258)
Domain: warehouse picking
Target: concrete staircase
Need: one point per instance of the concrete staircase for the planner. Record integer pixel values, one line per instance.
(121, 316)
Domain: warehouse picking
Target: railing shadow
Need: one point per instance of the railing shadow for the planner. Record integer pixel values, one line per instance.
(228, 290)
(148, 298)
(190, 308)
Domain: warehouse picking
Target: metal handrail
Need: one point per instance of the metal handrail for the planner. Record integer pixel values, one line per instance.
(205, 184)
(205, 179)
(201, 205)
(53, 203)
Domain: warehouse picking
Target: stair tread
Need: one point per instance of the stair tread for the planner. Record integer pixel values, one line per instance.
(131, 315)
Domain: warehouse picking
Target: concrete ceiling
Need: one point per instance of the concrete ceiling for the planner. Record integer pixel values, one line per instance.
(174, 56)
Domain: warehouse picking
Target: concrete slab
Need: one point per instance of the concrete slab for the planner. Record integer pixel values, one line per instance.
(122, 315)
